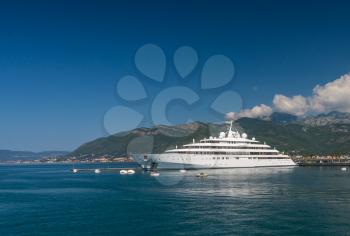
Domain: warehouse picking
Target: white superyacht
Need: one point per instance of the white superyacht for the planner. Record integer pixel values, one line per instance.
(230, 150)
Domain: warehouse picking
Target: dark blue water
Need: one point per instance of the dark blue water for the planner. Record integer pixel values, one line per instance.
(50, 200)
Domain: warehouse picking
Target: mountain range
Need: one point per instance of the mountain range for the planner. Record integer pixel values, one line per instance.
(314, 135)
(8, 155)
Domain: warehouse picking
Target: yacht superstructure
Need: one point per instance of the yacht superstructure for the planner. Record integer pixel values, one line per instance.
(230, 150)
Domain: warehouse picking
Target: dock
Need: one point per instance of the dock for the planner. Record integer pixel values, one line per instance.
(324, 164)
(322, 160)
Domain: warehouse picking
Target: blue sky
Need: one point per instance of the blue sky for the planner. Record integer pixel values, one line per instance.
(60, 60)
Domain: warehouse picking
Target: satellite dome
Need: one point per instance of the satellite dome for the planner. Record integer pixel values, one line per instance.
(222, 135)
(244, 135)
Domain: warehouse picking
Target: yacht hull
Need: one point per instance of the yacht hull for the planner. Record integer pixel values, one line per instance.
(194, 161)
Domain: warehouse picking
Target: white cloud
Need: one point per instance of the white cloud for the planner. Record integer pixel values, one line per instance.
(296, 105)
(333, 96)
(255, 112)
(231, 116)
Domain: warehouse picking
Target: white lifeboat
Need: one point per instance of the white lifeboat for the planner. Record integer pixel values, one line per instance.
(131, 172)
(202, 175)
(97, 171)
(123, 172)
(154, 174)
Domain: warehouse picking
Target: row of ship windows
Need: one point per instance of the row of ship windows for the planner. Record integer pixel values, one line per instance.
(225, 153)
(237, 158)
(232, 142)
(223, 158)
(225, 147)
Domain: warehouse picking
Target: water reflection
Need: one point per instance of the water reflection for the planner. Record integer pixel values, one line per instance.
(248, 182)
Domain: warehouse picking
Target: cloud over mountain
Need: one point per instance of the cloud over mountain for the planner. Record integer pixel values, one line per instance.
(258, 111)
(333, 96)
(296, 105)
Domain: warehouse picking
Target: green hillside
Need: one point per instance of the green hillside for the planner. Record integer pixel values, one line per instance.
(299, 138)
(162, 139)
(294, 137)
(9, 155)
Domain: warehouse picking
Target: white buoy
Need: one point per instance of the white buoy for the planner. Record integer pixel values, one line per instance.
(343, 168)
(97, 171)
(182, 171)
(131, 172)
(154, 174)
(123, 172)
(202, 175)
(75, 170)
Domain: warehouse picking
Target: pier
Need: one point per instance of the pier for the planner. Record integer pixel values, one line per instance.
(322, 160)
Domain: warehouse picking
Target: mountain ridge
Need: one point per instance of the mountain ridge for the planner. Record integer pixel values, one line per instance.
(10, 155)
(306, 136)
(326, 119)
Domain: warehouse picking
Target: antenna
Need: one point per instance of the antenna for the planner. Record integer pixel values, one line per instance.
(231, 125)
(229, 132)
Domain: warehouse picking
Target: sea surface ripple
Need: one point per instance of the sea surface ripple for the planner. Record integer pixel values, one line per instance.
(51, 200)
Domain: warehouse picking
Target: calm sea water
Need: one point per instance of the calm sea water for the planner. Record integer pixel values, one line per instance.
(50, 200)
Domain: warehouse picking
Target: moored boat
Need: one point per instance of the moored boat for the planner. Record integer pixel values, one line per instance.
(229, 150)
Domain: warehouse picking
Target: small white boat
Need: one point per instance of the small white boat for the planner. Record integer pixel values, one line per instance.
(182, 171)
(75, 170)
(343, 168)
(123, 172)
(154, 173)
(131, 172)
(202, 175)
(97, 171)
